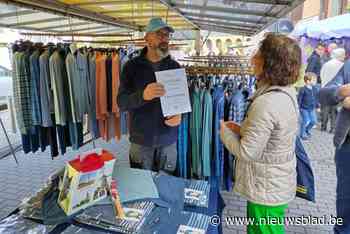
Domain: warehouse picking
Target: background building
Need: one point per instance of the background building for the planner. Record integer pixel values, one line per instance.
(319, 9)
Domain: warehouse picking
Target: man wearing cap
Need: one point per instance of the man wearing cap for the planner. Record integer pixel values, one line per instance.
(153, 137)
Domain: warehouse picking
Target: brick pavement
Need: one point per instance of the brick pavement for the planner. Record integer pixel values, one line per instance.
(20, 181)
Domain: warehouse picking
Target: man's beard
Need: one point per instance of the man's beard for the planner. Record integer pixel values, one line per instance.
(163, 51)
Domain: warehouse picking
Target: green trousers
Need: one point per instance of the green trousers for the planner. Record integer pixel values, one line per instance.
(263, 216)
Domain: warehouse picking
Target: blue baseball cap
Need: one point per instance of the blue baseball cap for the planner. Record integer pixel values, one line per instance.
(157, 23)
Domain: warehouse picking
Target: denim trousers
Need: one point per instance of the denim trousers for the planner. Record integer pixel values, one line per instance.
(342, 164)
(308, 120)
(328, 113)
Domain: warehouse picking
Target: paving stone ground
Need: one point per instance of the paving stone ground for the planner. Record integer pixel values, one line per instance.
(20, 181)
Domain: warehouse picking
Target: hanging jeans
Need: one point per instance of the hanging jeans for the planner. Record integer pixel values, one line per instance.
(43, 138)
(219, 112)
(308, 120)
(182, 146)
(161, 158)
(30, 142)
(52, 132)
(52, 135)
(232, 105)
(76, 135)
(195, 130)
(63, 138)
(26, 143)
(207, 133)
(342, 163)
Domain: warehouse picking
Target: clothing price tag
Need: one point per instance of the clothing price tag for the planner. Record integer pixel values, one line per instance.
(177, 99)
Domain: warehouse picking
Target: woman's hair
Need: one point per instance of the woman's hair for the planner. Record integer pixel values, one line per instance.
(282, 59)
(310, 76)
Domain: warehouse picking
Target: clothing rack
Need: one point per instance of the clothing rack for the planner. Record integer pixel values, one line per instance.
(137, 42)
(219, 57)
(217, 93)
(105, 41)
(195, 70)
(76, 34)
(238, 62)
(47, 124)
(228, 63)
(205, 70)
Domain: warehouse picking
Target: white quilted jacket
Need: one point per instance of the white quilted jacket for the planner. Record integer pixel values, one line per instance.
(265, 170)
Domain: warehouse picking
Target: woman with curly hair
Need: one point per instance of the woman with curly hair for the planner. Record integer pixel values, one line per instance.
(265, 171)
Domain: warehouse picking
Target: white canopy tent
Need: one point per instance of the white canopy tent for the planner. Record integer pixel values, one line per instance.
(335, 27)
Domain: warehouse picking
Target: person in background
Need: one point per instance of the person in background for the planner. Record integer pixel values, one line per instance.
(153, 137)
(328, 52)
(328, 72)
(264, 145)
(308, 102)
(337, 92)
(314, 62)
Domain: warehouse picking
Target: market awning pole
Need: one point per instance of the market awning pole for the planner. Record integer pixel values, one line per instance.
(8, 141)
(198, 42)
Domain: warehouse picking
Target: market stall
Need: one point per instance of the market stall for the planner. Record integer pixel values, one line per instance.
(191, 205)
(331, 30)
(75, 52)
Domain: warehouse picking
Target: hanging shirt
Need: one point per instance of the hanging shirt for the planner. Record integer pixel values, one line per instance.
(57, 70)
(101, 91)
(109, 82)
(82, 63)
(35, 87)
(22, 92)
(115, 90)
(93, 124)
(74, 87)
(46, 98)
(237, 107)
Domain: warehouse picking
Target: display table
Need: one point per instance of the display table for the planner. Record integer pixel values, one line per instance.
(160, 220)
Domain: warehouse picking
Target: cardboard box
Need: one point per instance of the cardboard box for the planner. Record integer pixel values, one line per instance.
(85, 180)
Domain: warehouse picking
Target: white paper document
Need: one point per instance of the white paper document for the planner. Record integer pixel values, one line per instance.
(177, 99)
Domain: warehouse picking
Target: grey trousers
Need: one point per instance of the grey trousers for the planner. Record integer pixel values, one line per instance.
(154, 158)
(328, 113)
